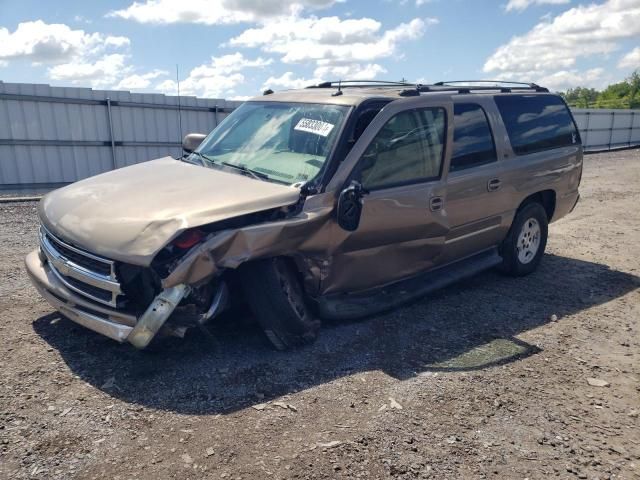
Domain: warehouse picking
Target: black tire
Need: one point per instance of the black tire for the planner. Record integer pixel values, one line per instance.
(276, 298)
(524, 221)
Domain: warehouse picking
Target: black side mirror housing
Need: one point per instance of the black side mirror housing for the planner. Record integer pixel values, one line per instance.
(349, 208)
(192, 141)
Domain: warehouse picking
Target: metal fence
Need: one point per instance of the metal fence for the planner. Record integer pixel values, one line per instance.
(51, 136)
(606, 129)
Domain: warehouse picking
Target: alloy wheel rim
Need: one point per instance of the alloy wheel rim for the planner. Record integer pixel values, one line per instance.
(528, 241)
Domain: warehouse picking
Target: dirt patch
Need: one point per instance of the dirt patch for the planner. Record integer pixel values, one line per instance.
(487, 379)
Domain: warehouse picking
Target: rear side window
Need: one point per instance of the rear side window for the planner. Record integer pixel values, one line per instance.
(472, 140)
(536, 122)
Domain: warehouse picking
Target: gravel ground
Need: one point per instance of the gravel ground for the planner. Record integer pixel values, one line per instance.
(486, 379)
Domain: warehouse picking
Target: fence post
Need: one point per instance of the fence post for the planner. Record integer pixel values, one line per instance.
(585, 143)
(633, 117)
(113, 143)
(613, 119)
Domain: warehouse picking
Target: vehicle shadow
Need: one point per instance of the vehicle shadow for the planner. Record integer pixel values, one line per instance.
(469, 326)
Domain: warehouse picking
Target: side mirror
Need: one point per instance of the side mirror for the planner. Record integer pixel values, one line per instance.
(192, 141)
(350, 206)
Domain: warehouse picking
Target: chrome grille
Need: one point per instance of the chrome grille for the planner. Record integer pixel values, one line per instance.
(89, 275)
(90, 263)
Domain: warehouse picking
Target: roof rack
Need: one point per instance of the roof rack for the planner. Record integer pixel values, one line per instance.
(411, 89)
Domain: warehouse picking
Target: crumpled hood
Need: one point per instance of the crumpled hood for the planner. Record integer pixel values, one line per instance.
(131, 213)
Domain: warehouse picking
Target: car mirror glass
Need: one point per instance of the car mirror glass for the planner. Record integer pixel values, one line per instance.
(349, 208)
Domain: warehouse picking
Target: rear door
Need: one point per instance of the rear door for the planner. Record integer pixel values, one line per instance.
(476, 201)
(399, 159)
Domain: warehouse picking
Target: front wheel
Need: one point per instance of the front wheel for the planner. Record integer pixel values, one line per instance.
(524, 246)
(276, 298)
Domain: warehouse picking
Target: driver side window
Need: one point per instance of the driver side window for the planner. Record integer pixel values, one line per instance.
(408, 149)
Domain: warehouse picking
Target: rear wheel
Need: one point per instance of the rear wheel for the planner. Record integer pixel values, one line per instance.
(276, 298)
(524, 246)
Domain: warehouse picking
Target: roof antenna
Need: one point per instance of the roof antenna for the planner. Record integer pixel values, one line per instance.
(339, 92)
(179, 106)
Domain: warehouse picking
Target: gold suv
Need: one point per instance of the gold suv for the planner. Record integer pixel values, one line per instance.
(335, 201)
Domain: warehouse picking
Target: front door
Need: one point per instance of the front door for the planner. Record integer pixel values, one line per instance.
(399, 161)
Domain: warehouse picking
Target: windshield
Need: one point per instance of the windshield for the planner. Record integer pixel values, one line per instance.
(283, 142)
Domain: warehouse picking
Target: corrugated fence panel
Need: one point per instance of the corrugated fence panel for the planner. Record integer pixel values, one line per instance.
(54, 135)
(605, 129)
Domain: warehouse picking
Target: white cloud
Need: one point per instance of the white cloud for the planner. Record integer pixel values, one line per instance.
(330, 40)
(214, 86)
(555, 44)
(116, 42)
(102, 73)
(168, 87)
(228, 64)
(564, 79)
(352, 71)
(216, 79)
(631, 59)
(214, 12)
(323, 31)
(524, 4)
(140, 81)
(40, 42)
(287, 80)
(81, 19)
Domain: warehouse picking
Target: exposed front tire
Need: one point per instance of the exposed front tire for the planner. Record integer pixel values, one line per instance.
(524, 246)
(276, 298)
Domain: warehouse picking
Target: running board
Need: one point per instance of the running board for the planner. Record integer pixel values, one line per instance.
(349, 306)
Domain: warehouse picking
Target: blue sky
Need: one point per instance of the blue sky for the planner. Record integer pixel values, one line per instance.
(235, 48)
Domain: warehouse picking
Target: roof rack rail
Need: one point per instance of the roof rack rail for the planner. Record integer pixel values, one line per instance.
(361, 83)
(505, 86)
(473, 82)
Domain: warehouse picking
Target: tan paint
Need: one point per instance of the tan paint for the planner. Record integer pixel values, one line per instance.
(131, 213)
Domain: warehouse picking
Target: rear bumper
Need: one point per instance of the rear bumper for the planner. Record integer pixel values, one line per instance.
(575, 203)
(565, 205)
(118, 325)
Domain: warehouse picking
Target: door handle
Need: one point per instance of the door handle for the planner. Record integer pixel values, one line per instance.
(436, 203)
(493, 184)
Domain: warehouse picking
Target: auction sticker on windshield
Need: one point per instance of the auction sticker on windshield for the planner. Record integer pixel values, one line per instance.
(314, 126)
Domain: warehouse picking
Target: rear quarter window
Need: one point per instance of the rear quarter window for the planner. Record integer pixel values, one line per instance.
(537, 122)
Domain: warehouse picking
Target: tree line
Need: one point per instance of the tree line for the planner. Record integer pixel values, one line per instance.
(625, 94)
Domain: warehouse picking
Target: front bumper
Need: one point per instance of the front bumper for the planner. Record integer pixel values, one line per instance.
(112, 323)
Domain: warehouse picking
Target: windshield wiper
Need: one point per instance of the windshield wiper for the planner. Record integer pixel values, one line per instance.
(202, 158)
(242, 168)
(257, 175)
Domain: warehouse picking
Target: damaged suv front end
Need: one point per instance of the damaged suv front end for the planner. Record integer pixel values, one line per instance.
(122, 252)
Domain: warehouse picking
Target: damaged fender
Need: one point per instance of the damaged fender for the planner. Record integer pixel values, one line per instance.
(308, 236)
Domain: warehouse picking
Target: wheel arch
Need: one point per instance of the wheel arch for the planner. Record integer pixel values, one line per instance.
(546, 198)
(301, 269)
